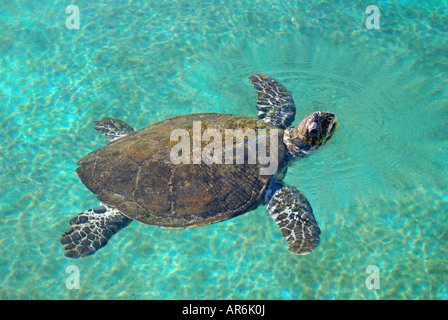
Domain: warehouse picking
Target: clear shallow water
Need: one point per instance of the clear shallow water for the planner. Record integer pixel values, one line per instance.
(379, 190)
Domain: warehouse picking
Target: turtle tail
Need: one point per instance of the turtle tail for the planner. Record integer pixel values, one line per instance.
(91, 230)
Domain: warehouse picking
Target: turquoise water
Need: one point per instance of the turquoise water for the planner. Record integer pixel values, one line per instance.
(379, 190)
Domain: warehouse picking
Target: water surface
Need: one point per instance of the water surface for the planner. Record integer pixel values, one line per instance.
(379, 190)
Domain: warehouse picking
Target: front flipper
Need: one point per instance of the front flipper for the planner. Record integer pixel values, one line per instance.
(293, 214)
(275, 103)
(91, 230)
(112, 128)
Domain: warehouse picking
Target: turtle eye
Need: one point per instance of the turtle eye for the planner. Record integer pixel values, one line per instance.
(314, 130)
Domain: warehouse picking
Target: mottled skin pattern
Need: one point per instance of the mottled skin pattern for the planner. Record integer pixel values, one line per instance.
(135, 175)
(135, 178)
(91, 230)
(113, 128)
(274, 102)
(293, 214)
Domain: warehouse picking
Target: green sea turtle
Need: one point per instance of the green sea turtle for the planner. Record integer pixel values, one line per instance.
(135, 178)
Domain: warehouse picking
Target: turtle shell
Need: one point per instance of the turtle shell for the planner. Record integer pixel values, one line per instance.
(136, 175)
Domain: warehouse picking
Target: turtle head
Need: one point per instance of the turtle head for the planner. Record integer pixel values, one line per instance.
(311, 133)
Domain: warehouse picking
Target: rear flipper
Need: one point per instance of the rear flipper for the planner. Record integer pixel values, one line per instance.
(91, 230)
(113, 128)
(293, 214)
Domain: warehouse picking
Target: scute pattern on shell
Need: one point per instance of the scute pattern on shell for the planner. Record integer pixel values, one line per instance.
(135, 175)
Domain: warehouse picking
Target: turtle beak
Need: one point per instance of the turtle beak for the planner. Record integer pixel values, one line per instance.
(328, 123)
(331, 122)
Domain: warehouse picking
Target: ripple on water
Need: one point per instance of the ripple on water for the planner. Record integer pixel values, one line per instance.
(378, 189)
(380, 143)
